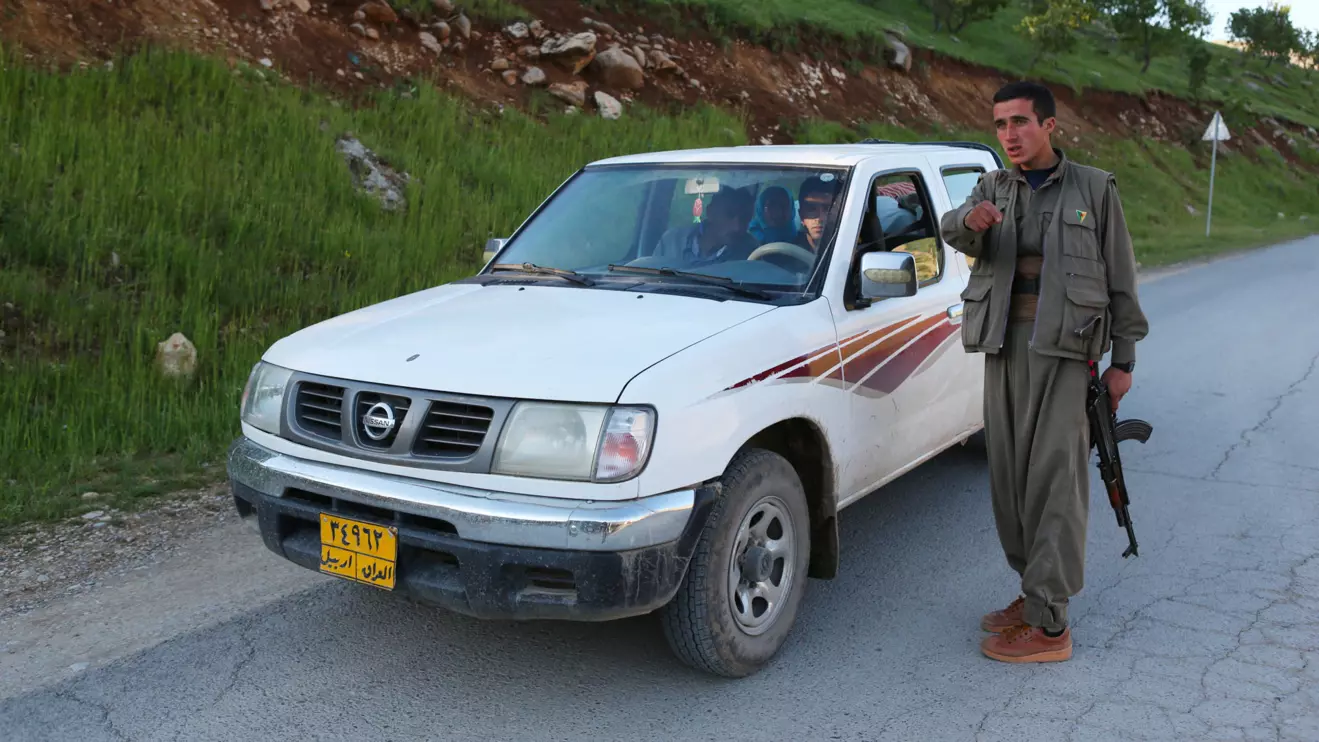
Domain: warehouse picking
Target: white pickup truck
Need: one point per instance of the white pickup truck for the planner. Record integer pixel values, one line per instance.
(658, 394)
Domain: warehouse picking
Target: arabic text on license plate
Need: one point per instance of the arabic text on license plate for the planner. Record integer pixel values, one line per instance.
(362, 552)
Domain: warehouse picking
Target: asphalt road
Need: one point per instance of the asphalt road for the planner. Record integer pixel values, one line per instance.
(1212, 633)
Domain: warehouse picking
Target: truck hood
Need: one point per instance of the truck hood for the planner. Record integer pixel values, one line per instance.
(539, 342)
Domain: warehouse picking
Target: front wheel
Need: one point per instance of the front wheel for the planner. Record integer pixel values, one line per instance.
(747, 576)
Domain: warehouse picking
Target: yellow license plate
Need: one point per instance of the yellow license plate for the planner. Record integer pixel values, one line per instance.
(362, 552)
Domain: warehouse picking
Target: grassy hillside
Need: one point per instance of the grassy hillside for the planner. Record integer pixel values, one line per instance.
(171, 194)
(234, 221)
(1095, 63)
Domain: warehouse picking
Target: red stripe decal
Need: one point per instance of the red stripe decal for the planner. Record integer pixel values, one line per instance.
(804, 370)
(892, 375)
(856, 360)
(859, 365)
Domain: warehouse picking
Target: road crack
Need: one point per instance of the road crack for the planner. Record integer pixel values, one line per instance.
(1213, 480)
(1268, 417)
(980, 728)
(1287, 595)
(103, 709)
(242, 663)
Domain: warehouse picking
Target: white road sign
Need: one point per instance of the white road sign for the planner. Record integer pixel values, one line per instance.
(1217, 130)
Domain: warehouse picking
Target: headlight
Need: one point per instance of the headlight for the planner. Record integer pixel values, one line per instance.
(263, 397)
(578, 442)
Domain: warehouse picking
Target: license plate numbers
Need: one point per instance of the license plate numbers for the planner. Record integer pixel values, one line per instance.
(358, 551)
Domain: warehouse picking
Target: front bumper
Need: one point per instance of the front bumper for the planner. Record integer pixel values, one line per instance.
(481, 553)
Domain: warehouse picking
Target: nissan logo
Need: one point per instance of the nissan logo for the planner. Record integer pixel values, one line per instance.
(378, 422)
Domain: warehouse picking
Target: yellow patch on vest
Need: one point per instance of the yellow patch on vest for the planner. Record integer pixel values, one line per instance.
(1081, 215)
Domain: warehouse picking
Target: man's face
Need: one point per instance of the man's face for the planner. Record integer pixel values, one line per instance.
(724, 222)
(1020, 132)
(815, 213)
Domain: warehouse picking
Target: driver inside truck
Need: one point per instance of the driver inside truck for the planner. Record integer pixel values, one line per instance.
(720, 236)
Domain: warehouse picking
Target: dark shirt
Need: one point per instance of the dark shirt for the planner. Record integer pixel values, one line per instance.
(1036, 178)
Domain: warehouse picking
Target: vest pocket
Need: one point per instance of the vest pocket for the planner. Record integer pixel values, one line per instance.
(1084, 316)
(1079, 233)
(975, 308)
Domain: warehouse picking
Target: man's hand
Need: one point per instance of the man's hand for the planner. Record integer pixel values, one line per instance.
(1119, 383)
(983, 216)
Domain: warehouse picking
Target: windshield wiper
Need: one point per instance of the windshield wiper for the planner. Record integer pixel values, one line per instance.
(724, 281)
(541, 270)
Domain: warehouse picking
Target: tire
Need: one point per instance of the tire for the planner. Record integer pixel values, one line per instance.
(700, 624)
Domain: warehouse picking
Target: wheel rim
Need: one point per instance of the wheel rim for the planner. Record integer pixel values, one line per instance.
(761, 569)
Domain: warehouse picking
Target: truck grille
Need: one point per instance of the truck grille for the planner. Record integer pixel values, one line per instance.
(432, 429)
(320, 409)
(365, 401)
(453, 430)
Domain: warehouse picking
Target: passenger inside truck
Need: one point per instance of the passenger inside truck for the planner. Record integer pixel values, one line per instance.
(776, 218)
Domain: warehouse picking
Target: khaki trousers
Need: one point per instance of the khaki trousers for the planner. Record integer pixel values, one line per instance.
(1038, 440)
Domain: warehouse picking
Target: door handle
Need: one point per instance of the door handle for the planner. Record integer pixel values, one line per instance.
(955, 314)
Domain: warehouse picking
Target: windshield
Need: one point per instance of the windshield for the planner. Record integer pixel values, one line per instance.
(764, 226)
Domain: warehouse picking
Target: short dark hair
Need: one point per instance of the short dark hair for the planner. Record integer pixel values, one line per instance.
(816, 184)
(733, 201)
(1041, 97)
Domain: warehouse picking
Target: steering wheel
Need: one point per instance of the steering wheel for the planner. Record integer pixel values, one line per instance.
(796, 252)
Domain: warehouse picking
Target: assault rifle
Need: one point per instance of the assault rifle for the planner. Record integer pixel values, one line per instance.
(1105, 433)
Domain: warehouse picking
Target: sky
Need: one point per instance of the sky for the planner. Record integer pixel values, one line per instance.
(1305, 14)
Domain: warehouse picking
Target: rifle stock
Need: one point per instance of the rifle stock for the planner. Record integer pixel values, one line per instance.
(1105, 433)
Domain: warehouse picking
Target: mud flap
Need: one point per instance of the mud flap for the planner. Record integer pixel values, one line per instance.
(824, 550)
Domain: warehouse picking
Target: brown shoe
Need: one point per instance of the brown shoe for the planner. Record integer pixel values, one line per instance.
(1000, 621)
(1024, 643)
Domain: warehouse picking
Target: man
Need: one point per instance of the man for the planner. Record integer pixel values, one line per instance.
(1053, 288)
(722, 235)
(815, 200)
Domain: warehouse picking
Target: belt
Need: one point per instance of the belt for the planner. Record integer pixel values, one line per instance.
(1024, 285)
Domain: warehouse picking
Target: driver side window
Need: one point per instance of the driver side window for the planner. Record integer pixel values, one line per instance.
(903, 205)
(899, 218)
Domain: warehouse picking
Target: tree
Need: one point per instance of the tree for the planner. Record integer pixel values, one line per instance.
(1052, 25)
(1157, 26)
(1266, 31)
(1308, 47)
(954, 15)
(1197, 67)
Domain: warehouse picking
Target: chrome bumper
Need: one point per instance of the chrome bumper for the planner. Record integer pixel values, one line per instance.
(478, 515)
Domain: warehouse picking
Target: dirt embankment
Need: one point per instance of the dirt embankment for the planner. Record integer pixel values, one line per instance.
(584, 59)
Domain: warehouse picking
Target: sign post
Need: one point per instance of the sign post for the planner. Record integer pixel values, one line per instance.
(1216, 132)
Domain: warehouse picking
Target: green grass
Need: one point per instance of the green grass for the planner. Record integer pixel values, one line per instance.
(1095, 64)
(235, 222)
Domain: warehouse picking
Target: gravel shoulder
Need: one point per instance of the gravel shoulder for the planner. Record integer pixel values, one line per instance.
(83, 593)
(43, 562)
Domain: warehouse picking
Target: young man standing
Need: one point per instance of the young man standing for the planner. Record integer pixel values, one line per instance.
(1053, 289)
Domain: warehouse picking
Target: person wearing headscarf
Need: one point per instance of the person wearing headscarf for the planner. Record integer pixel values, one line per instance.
(775, 218)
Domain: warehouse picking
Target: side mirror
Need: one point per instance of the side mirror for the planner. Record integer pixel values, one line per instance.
(492, 248)
(885, 275)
